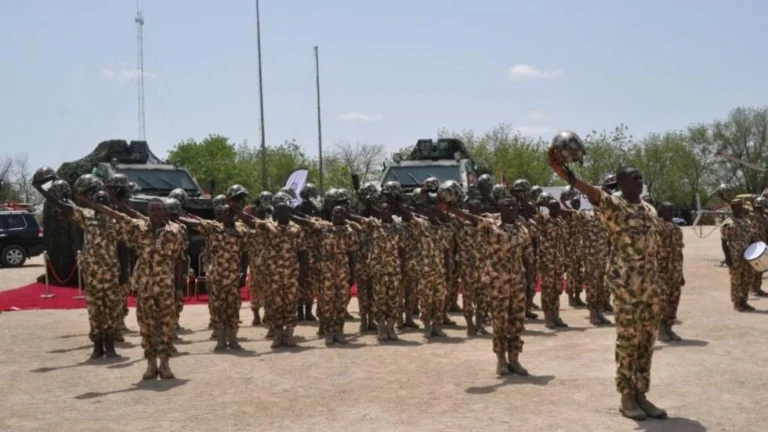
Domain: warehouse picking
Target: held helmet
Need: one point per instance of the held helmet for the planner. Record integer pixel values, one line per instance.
(44, 175)
(308, 192)
(569, 193)
(180, 195)
(724, 192)
(417, 198)
(60, 189)
(569, 147)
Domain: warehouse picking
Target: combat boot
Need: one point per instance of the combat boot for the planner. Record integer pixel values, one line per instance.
(603, 319)
(437, 330)
(571, 300)
(410, 323)
(607, 308)
(372, 326)
(530, 315)
(308, 312)
(427, 330)
(382, 337)
(288, 337)
(455, 308)
(165, 368)
(277, 338)
(759, 292)
(479, 325)
(300, 313)
(119, 336)
(748, 307)
(675, 337)
(363, 322)
(629, 407)
(594, 319)
(215, 334)
(151, 372)
(549, 320)
(650, 409)
(471, 331)
(559, 322)
(399, 321)
(515, 367)
(501, 365)
(109, 348)
(348, 316)
(256, 319)
(98, 349)
(121, 325)
(391, 330)
(329, 339)
(221, 341)
(448, 321)
(232, 340)
(663, 335)
(577, 299)
(270, 332)
(339, 338)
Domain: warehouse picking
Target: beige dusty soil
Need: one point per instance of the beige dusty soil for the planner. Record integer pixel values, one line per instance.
(714, 381)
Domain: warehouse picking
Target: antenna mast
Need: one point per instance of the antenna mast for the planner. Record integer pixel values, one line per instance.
(140, 67)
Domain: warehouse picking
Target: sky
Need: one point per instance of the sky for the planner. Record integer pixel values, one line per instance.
(391, 72)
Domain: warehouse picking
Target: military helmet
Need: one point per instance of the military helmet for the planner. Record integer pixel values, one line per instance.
(521, 185)
(289, 191)
(535, 192)
(609, 180)
(265, 199)
(172, 206)
(308, 192)
(569, 147)
(761, 202)
(60, 189)
(86, 184)
(342, 195)
(134, 188)
(544, 198)
(281, 198)
(499, 191)
(451, 193)
(417, 197)
(237, 192)
(392, 188)
(431, 185)
(219, 200)
(485, 181)
(118, 181)
(180, 195)
(568, 193)
(102, 197)
(44, 175)
(367, 191)
(330, 195)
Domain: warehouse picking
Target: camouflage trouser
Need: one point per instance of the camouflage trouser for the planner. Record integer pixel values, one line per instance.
(596, 289)
(409, 290)
(431, 295)
(575, 278)
(254, 285)
(670, 302)
(335, 293)
(280, 292)
(365, 294)
(225, 304)
(757, 283)
(636, 327)
(125, 291)
(386, 292)
(551, 287)
(155, 316)
(474, 295)
(452, 286)
(308, 290)
(179, 297)
(103, 300)
(742, 275)
(508, 313)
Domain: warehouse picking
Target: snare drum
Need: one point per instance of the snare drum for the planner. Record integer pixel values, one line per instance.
(757, 256)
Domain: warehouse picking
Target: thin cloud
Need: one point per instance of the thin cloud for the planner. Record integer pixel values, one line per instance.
(523, 72)
(536, 131)
(359, 117)
(125, 74)
(537, 115)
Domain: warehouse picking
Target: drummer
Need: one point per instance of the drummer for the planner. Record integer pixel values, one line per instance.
(737, 235)
(758, 221)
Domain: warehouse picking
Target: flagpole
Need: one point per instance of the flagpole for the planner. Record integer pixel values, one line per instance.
(319, 123)
(264, 177)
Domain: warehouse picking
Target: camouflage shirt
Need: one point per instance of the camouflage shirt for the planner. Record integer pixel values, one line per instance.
(102, 236)
(386, 242)
(336, 243)
(223, 250)
(551, 242)
(738, 233)
(431, 245)
(506, 245)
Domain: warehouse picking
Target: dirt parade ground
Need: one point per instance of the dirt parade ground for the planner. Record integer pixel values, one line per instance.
(714, 380)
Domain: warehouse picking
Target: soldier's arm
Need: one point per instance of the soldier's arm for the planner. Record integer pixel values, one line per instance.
(67, 207)
(461, 214)
(107, 211)
(592, 193)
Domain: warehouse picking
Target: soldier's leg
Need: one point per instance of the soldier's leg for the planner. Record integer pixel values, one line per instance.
(253, 287)
(670, 309)
(740, 284)
(339, 301)
(164, 331)
(410, 290)
(230, 314)
(648, 322)
(145, 318)
(425, 300)
(499, 310)
(112, 302)
(515, 326)
(314, 280)
(628, 333)
(324, 306)
(365, 299)
(289, 294)
(379, 307)
(393, 281)
(439, 296)
(95, 306)
(549, 294)
(482, 300)
(468, 292)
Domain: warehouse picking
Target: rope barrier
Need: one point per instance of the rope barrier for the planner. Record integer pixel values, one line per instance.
(55, 275)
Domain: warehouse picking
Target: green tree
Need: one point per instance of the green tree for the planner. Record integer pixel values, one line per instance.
(212, 159)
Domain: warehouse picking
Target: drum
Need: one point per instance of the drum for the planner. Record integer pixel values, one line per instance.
(757, 256)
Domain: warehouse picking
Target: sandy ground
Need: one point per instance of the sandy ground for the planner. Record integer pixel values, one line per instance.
(710, 382)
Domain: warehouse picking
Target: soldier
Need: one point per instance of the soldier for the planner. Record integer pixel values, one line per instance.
(342, 198)
(118, 186)
(98, 262)
(485, 187)
(309, 290)
(363, 272)
(759, 223)
(173, 208)
(633, 229)
(551, 262)
(506, 240)
(670, 272)
(158, 244)
(610, 186)
(737, 235)
(574, 239)
(256, 251)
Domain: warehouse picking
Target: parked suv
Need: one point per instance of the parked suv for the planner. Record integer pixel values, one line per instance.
(21, 237)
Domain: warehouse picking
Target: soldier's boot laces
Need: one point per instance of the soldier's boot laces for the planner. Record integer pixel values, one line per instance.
(650, 409)
(437, 330)
(630, 409)
(471, 330)
(663, 333)
(559, 322)
(339, 338)
(151, 372)
(382, 336)
(98, 349)
(549, 320)
(391, 330)
(288, 337)
(256, 319)
(232, 340)
(515, 367)
(221, 341)
(675, 337)
(277, 338)
(594, 318)
(165, 369)
(300, 313)
(479, 324)
(308, 312)
(501, 365)
(109, 348)
(579, 302)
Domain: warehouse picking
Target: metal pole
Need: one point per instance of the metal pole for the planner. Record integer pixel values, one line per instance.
(48, 294)
(319, 123)
(79, 295)
(264, 177)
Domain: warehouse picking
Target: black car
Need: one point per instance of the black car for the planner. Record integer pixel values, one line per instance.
(21, 237)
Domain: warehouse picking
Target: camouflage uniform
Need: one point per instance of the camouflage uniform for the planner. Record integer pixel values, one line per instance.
(384, 266)
(506, 248)
(223, 251)
(671, 271)
(281, 284)
(363, 276)
(452, 229)
(574, 253)
(412, 256)
(758, 224)
(182, 282)
(431, 265)
(531, 257)
(336, 243)
(632, 278)
(100, 270)
(153, 279)
(738, 233)
(551, 260)
(595, 246)
(472, 272)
